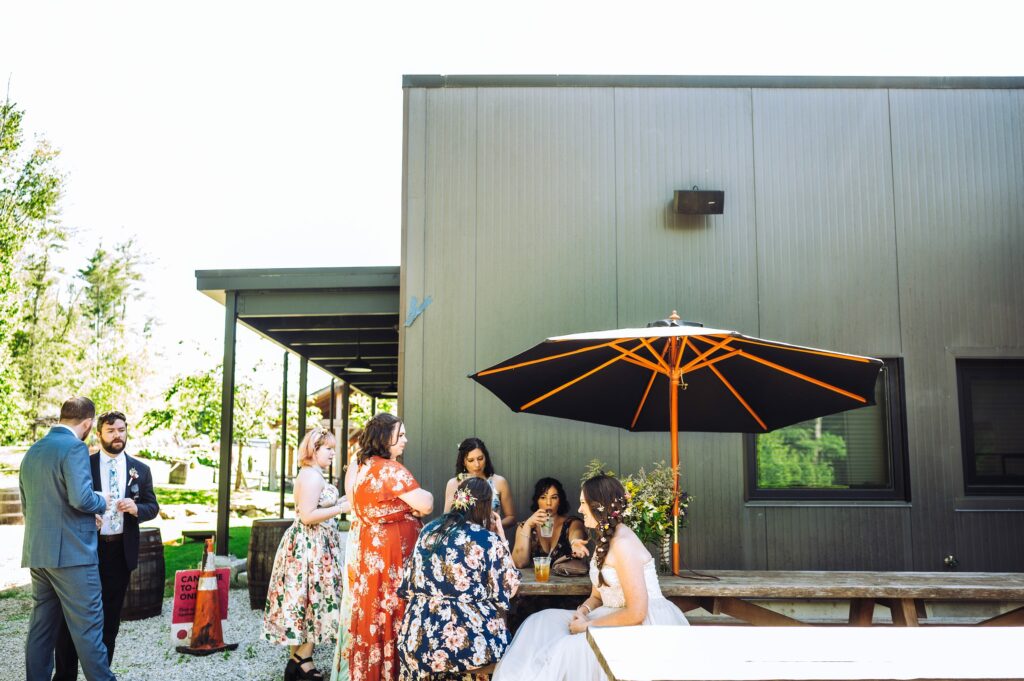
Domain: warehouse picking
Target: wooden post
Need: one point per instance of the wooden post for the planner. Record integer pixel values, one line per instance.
(673, 405)
(303, 376)
(284, 428)
(346, 403)
(227, 411)
(272, 467)
(330, 425)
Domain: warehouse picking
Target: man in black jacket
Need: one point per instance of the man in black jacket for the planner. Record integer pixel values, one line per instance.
(129, 485)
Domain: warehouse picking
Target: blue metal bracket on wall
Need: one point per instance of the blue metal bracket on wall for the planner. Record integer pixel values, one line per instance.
(416, 308)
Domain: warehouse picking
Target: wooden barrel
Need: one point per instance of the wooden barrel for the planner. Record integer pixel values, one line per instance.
(263, 542)
(145, 595)
(10, 507)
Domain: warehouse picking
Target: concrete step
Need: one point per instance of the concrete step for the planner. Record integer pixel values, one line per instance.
(12, 518)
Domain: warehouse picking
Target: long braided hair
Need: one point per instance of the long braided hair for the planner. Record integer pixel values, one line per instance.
(606, 499)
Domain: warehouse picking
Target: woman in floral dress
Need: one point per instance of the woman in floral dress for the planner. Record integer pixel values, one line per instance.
(339, 672)
(385, 499)
(305, 585)
(474, 460)
(458, 586)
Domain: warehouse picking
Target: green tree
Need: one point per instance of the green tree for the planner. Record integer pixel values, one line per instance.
(30, 191)
(802, 455)
(117, 358)
(192, 409)
(47, 328)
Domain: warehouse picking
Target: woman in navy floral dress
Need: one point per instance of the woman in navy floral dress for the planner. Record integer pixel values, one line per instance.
(458, 584)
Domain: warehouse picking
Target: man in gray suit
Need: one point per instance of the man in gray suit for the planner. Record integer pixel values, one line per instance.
(59, 506)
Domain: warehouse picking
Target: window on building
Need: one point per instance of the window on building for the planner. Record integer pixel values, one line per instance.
(992, 425)
(856, 454)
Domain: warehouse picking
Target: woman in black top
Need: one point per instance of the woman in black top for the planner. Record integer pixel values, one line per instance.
(568, 536)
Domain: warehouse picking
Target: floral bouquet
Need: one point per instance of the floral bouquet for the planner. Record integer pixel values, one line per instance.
(649, 511)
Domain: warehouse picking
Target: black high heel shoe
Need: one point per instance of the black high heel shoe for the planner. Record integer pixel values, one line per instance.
(291, 669)
(313, 674)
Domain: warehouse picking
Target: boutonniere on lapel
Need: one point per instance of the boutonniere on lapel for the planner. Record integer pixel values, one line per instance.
(133, 476)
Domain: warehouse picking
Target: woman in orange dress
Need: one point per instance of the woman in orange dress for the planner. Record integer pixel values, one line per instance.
(386, 500)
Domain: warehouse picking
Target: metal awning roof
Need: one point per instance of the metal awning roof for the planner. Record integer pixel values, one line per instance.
(328, 315)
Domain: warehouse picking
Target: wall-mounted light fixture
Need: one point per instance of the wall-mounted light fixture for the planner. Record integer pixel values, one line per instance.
(698, 202)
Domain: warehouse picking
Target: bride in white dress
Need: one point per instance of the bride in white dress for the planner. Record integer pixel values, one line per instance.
(548, 645)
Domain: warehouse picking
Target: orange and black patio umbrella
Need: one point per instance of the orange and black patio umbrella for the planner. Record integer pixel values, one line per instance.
(673, 376)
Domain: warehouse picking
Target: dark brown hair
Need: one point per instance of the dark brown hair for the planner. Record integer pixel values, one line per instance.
(107, 418)
(77, 409)
(479, 513)
(541, 488)
(376, 438)
(465, 447)
(606, 499)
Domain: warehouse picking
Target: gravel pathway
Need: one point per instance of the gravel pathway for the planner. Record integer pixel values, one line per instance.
(145, 652)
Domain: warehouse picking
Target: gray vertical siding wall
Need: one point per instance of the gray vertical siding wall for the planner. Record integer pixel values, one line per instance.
(880, 221)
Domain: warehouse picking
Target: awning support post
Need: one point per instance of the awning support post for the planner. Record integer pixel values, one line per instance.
(284, 428)
(227, 410)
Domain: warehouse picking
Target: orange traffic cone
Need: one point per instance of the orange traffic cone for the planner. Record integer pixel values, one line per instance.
(207, 636)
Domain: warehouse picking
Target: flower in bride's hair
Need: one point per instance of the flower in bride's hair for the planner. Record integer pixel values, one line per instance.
(463, 500)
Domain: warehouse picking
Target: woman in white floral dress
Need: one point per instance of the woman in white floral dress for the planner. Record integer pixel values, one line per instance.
(305, 586)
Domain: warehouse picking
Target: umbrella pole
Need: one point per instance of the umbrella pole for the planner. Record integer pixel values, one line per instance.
(673, 420)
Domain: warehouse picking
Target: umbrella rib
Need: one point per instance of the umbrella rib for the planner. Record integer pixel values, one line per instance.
(736, 394)
(803, 377)
(488, 372)
(682, 351)
(808, 351)
(643, 400)
(569, 383)
(654, 353)
(715, 346)
(695, 367)
(630, 356)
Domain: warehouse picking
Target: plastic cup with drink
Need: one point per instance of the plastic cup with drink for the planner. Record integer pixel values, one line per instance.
(542, 568)
(547, 528)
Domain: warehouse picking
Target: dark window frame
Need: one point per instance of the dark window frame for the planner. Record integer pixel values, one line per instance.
(975, 485)
(895, 406)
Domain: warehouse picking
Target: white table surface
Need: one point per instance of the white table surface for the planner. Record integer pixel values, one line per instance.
(738, 653)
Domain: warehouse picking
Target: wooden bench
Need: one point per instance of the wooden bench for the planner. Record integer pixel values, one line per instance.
(720, 653)
(903, 593)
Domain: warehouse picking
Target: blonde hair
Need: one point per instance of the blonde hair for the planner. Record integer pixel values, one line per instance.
(314, 440)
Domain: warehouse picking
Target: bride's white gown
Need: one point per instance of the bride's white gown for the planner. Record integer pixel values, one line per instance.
(544, 650)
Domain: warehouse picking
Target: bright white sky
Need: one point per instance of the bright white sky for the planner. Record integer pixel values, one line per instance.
(246, 134)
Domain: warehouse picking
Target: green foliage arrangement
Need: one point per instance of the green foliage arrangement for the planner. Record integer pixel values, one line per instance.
(651, 498)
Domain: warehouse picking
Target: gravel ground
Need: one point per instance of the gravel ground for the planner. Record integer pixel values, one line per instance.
(145, 652)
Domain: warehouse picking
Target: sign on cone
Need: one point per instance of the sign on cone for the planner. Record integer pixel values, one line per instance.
(207, 636)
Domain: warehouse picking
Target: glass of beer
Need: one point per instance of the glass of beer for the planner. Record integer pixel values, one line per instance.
(542, 568)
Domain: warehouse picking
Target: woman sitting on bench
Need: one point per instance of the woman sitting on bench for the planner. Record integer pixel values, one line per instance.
(625, 593)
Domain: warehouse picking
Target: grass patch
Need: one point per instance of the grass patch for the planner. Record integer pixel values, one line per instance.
(16, 593)
(187, 554)
(178, 495)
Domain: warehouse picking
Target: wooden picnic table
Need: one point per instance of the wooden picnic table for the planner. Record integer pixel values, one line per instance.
(723, 653)
(904, 593)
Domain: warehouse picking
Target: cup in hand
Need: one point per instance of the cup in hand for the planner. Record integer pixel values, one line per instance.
(542, 568)
(547, 528)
